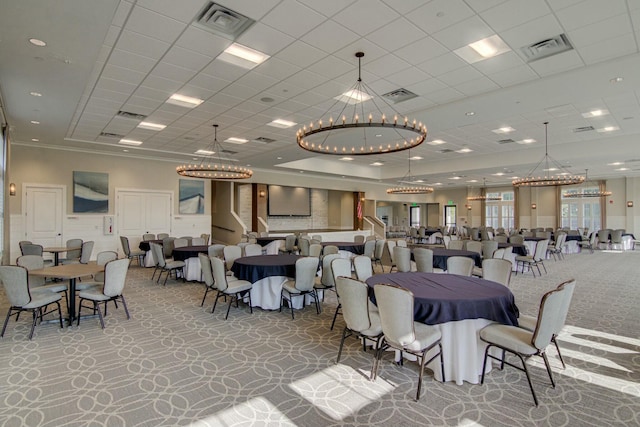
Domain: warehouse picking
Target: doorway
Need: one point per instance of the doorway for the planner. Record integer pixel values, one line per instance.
(414, 216)
(450, 216)
(43, 210)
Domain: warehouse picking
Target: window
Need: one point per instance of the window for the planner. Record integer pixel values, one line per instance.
(500, 213)
(578, 213)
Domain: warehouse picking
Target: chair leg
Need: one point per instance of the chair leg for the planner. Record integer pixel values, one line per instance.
(442, 362)
(422, 362)
(484, 363)
(344, 336)
(229, 305)
(206, 291)
(124, 304)
(33, 324)
(97, 306)
(526, 371)
(6, 321)
(216, 301)
(315, 297)
(558, 350)
(335, 315)
(546, 363)
(60, 315)
(79, 311)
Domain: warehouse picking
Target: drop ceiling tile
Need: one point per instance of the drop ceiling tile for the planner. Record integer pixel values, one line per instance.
(123, 74)
(443, 64)
(135, 62)
(404, 6)
(445, 95)
(439, 14)
(481, 5)
(184, 11)
(513, 76)
(251, 8)
(224, 70)
(173, 72)
(265, 39)
(112, 36)
(408, 77)
(396, 34)
(203, 42)
(422, 50)
(154, 25)
(365, 16)
(464, 32)
(557, 63)
(386, 66)
(110, 95)
(161, 84)
(121, 14)
(498, 63)
(327, 7)
(307, 79)
(330, 36)
(301, 54)
(477, 86)
(276, 69)
(600, 31)
(331, 66)
(371, 52)
(514, 13)
(210, 83)
(196, 91)
(240, 92)
(611, 48)
(531, 32)
(304, 18)
(150, 93)
(588, 12)
(145, 104)
(186, 58)
(425, 87)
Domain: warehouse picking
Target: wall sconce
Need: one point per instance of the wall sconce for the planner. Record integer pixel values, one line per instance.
(12, 189)
(533, 206)
(468, 207)
(630, 204)
(262, 193)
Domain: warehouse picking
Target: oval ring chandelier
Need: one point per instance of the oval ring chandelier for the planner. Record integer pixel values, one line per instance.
(410, 189)
(359, 131)
(483, 196)
(584, 193)
(214, 168)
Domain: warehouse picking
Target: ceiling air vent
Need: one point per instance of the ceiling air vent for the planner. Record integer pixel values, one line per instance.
(111, 135)
(264, 140)
(445, 151)
(583, 129)
(229, 152)
(505, 141)
(399, 95)
(546, 48)
(129, 115)
(222, 21)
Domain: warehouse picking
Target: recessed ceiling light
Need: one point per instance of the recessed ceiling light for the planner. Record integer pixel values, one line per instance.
(482, 49)
(504, 129)
(473, 180)
(526, 141)
(130, 142)
(346, 159)
(35, 139)
(151, 126)
(416, 158)
(615, 164)
(455, 177)
(184, 101)
(622, 169)
(616, 80)
(35, 94)
(464, 150)
(595, 113)
(377, 164)
(126, 151)
(437, 142)
(243, 56)
(279, 158)
(608, 129)
(301, 171)
(35, 122)
(564, 173)
(470, 113)
(498, 174)
(378, 135)
(205, 152)
(353, 96)
(234, 140)
(437, 183)
(281, 123)
(37, 42)
(514, 177)
(550, 169)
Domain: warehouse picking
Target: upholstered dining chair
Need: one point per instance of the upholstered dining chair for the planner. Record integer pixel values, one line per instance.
(234, 289)
(359, 319)
(501, 239)
(16, 285)
(402, 258)
(497, 270)
(162, 236)
(231, 253)
(498, 253)
(363, 267)
(457, 245)
(473, 246)
(529, 322)
(128, 253)
(424, 260)
(588, 244)
(358, 238)
(85, 254)
(165, 266)
(180, 243)
(303, 246)
(198, 241)
(395, 306)
(148, 236)
(115, 277)
(378, 253)
(558, 246)
(523, 343)
(39, 283)
(517, 239)
(488, 248)
(460, 265)
(387, 256)
(205, 238)
(315, 250)
(216, 250)
(535, 260)
(168, 247)
(207, 275)
(74, 253)
(330, 250)
(303, 284)
(289, 244)
(31, 249)
(98, 278)
(252, 249)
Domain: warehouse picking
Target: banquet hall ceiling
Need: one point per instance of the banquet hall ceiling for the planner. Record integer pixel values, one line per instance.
(106, 56)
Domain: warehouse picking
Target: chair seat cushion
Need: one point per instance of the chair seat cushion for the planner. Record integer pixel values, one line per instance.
(511, 337)
(376, 327)
(94, 294)
(426, 336)
(235, 286)
(290, 286)
(524, 258)
(477, 271)
(527, 322)
(137, 253)
(58, 287)
(170, 265)
(89, 285)
(41, 299)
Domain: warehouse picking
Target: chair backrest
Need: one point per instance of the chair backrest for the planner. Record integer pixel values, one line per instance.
(446, 239)
(219, 274)
(231, 253)
(541, 250)
(124, 241)
(24, 242)
(358, 238)
(317, 237)
(115, 276)
(402, 257)
(354, 301)
(162, 236)
(330, 250)
(198, 241)
(168, 246)
(16, 284)
(507, 253)
(105, 256)
(457, 244)
(77, 245)
(327, 273)
(562, 237)
(205, 267)
(340, 267)
(395, 306)
(32, 249)
(180, 243)
(306, 269)
(315, 250)
(460, 265)
(369, 248)
(498, 253)
(616, 236)
(362, 266)
(148, 236)
(158, 255)
(501, 239)
(497, 270)
(548, 317)
(488, 248)
(371, 237)
(32, 262)
(216, 250)
(516, 239)
(264, 234)
(379, 250)
(303, 246)
(401, 243)
(85, 253)
(391, 244)
(424, 260)
(290, 242)
(205, 238)
(473, 246)
(253, 249)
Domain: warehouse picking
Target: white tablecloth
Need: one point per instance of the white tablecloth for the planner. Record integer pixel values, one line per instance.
(192, 269)
(272, 247)
(266, 293)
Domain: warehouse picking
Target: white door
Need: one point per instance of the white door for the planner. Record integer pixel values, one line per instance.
(142, 212)
(158, 215)
(43, 207)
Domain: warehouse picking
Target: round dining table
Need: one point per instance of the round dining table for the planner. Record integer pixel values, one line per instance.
(459, 307)
(144, 245)
(440, 256)
(267, 273)
(352, 247)
(189, 254)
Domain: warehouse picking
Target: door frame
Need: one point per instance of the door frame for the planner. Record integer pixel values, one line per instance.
(32, 185)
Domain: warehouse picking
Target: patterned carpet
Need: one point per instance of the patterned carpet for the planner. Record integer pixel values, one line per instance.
(174, 363)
